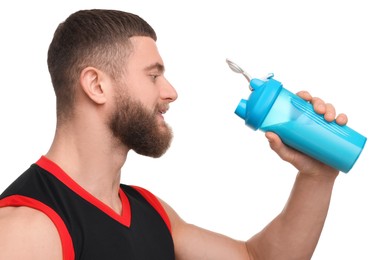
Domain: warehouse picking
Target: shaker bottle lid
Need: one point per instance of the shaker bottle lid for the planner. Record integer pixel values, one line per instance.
(255, 109)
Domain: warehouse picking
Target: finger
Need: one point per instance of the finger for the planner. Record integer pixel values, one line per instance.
(342, 119)
(304, 95)
(330, 113)
(318, 105)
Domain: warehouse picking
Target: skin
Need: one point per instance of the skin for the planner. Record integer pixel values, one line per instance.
(86, 149)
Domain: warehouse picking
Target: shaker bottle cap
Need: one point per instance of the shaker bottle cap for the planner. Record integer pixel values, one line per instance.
(255, 109)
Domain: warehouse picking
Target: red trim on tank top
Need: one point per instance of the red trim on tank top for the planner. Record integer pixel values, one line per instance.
(66, 240)
(54, 169)
(152, 199)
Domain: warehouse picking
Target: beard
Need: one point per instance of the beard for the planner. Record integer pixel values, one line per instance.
(137, 127)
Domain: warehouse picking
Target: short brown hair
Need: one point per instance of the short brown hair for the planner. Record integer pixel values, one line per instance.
(96, 37)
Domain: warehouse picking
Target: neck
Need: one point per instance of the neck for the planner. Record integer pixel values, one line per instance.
(92, 158)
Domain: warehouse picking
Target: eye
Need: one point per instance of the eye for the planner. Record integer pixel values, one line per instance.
(154, 76)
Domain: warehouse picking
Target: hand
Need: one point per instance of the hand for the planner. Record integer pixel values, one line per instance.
(302, 162)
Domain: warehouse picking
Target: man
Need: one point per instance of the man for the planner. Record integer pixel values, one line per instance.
(111, 94)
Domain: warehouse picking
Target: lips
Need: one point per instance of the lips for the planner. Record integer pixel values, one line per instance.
(163, 109)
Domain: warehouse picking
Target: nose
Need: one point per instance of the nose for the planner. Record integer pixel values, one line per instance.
(168, 92)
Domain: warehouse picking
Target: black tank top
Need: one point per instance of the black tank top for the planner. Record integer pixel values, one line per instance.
(89, 229)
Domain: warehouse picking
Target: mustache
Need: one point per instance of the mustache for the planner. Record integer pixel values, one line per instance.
(162, 108)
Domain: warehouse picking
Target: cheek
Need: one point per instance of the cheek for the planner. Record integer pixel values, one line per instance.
(151, 103)
(144, 90)
(148, 96)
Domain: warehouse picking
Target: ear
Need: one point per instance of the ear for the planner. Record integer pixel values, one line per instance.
(91, 81)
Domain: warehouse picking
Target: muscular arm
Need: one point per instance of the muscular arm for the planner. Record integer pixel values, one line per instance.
(28, 234)
(192, 242)
(294, 233)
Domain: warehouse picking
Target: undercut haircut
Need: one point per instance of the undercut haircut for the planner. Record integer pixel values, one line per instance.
(98, 38)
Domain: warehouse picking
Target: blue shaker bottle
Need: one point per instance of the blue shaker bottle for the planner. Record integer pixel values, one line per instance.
(271, 107)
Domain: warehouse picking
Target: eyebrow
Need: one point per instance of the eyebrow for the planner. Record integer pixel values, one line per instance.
(157, 66)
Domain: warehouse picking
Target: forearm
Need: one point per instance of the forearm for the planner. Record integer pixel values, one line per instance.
(295, 232)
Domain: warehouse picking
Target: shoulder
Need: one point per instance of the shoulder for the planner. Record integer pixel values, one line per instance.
(27, 233)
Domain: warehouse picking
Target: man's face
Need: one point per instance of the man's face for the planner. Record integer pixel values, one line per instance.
(141, 100)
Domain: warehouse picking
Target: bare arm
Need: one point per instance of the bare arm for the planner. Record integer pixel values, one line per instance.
(28, 234)
(294, 233)
(192, 242)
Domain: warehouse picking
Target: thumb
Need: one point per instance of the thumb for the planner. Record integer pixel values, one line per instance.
(283, 151)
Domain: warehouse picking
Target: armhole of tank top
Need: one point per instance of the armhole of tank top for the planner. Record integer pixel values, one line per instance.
(152, 199)
(23, 201)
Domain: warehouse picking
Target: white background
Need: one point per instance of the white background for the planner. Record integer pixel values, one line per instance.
(220, 174)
